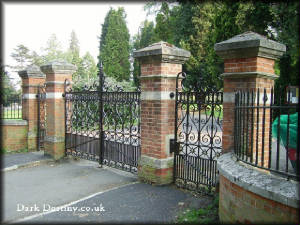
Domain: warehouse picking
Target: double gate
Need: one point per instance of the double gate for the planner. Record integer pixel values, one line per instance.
(198, 133)
(103, 124)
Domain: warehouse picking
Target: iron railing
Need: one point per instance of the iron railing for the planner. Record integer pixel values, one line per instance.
(266, 131)
(11, 108)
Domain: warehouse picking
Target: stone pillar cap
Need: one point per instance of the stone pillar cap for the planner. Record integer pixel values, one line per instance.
(249, 44)
(165, 51)
(58, 66)
(31, 71)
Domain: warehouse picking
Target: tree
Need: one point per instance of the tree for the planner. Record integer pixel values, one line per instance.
(163, 29)
(53, 50)
(8, 89)
(114, 51)
(90, 68)
(104, 32)
(285, 21)
(74, 44)
(145, 37)
(22, 56)
(73, 56)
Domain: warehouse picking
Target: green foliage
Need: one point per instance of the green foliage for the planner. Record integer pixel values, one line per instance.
(86, 72)
(8, 90)
(22, 56)
(198, 25)
(163, 23)
(5, 151)
(114, 49)
(53, 50)
(145, 37)
(286, 24)
(208, 214)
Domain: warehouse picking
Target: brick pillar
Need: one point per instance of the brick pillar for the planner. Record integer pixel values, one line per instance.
(160, 64)
(248, 65)
(31, 77)
(56, 73)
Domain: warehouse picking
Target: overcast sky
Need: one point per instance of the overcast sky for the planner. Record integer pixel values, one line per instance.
(31, 24)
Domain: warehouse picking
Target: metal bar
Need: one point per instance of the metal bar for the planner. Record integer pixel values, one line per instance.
(101, 132)
(257, 128)
(243, 125)
(287, 135)
(66, 116)
(235, 123)
(270, 129)
(278, 134)
(247, 128)
(263, 128)
(252, 124)
(176, 129)
(38, 119)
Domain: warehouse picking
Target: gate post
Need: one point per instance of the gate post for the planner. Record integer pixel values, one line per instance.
(249, 60)
(160, 64)
(56, 73)
(31, 77)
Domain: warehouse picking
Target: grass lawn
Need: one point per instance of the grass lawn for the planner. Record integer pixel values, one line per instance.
(4, 151)
(12, 114)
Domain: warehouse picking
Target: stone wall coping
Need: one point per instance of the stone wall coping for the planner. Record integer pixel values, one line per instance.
(270, 186)
(249, 39)
(249, 44)
(12, 122)
(58, 67)
(31, 71)
(168, 52)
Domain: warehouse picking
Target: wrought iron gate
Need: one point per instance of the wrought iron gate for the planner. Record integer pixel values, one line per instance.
(41, 126)
(103, 124)
(198, 134)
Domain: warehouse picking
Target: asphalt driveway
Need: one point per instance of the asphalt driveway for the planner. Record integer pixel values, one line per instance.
(80, 191)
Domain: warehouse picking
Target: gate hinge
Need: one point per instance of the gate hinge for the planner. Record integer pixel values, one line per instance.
(174, 146)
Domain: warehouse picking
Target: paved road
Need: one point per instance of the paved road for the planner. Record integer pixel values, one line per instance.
(82, 184)
(139, 203)
(55, 184)
(10, 160)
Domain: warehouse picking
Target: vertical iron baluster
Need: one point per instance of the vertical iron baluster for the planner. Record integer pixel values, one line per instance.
(235, 123)
(257, 127)
(270, 129)
(278, 131)
(263, 127)
(243, 125)
(176, 130)
(252, 124)
(101, 132)
(199, 105)
(247, 127)
(211, 136)
(287, 132)
(240, 123)
(38, 119)
(187, 130)
(298, 146)
(66, 115)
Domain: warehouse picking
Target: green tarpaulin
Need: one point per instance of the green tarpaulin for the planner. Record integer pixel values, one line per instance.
(293, 126)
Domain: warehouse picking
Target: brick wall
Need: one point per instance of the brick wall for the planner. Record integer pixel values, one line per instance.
(237, 205)
(14, 135)
(249, 65)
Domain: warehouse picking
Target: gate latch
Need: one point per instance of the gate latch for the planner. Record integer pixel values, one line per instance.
(174, 146)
